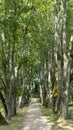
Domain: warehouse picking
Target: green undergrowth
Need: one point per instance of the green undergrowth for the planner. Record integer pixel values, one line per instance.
(56, 121)
(16, 122)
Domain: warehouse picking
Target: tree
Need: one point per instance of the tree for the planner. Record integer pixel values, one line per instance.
(34, 46)
(2, 120)
(62, 59)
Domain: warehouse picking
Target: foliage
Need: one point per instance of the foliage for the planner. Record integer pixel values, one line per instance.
(27, 44)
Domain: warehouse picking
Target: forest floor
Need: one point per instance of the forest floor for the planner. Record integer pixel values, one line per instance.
(34, 119)
(37, 117)
(41, 118)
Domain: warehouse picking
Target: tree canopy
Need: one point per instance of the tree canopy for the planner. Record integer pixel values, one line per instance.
(36, 50)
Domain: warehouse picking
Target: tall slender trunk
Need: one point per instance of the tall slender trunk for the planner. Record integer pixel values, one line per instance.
(13, 84)
(66, 67)
(50, 68)
(63, 62)
(41, 83)
(57, 52)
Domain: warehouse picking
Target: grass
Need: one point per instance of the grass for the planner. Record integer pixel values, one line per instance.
(53, 119)
(16, 122)
(57, 122)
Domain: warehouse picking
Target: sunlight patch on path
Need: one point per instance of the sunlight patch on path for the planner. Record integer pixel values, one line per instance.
(35, 120)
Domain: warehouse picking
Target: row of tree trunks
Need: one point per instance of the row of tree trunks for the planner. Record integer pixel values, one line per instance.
(8, 68)
(63, 62)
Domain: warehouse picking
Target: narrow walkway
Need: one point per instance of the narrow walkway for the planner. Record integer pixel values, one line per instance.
(34, 119)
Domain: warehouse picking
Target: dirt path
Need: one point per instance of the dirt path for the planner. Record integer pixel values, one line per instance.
(34, 119)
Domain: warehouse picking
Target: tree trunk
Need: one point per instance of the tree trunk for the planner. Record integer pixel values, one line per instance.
(2, 120)
(63, 62)
(25, 94)
(43, 93)
(8, 102)
(4, 103)
(57, 53)
(13, 102)
(66, 66)
(64, 103)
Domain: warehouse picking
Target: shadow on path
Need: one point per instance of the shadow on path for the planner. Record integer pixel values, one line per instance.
(34, 119)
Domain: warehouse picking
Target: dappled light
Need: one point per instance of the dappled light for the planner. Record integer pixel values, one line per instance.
(57, 122)
(36, 64)
(35, 120)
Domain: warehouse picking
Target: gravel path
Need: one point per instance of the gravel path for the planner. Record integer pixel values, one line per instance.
(34, 119)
